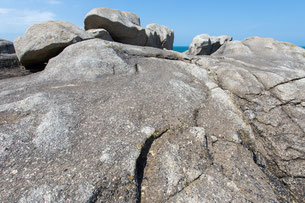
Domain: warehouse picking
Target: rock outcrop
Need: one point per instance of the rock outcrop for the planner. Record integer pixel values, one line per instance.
(100, 34)
(205, 44)
(9, 63)
(159, 36)
(123, 26)
(110, 122)
(8, 58)
(46, 40)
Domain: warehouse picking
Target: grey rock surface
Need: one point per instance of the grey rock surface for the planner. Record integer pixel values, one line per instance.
(9, 63)
(109, 122)
(205, 44)
(46, 40)
(6, 47)
(8, 58)
(100, 34)
(159, 36)
(123, 26)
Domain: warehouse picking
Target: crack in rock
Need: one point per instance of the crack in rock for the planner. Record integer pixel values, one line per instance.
(285, 82)
(142, 160)
(188, 184)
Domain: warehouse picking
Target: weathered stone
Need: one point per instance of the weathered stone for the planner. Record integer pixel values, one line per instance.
(46, 40)
(159, 36)
(9, 63)
(6, 47)
(100, 34)
(123, 26)
(76, 137)
(8, 58)
(110, 122)
(266, 78)
(204, 44)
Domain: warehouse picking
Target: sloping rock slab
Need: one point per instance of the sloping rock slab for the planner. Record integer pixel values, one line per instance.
(108, 122)
(79, 139)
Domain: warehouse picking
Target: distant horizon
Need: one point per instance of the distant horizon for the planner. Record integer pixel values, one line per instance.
(279, 19)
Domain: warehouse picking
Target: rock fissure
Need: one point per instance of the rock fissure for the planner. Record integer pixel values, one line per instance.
(290, 102)
(285, 82)
(160, 56)
(185, 187)
(268, 166)
(142, 161)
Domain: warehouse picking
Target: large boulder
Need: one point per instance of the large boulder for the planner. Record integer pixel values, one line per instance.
(159, 36)
(110, 122)
(6, 47)
(8, 58)
(123, 26)
(46, 40)
(9, 63)
(205, 44)
(100, 34)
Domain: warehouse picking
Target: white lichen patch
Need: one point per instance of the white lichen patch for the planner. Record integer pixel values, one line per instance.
(199, 132)
(52, 134)
(5, 143)
(184, 90)
(26, 104)
(148, 131)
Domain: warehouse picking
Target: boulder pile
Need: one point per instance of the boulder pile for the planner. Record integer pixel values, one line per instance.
(46, 40)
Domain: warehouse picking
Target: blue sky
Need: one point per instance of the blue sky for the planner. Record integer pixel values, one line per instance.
(283, 20)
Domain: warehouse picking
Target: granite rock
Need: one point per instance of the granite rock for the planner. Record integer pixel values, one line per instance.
(46, 40)
(100, 34)
(8, 58)
(205, 44)
(159, 36)
(110, 122)
(123, 26)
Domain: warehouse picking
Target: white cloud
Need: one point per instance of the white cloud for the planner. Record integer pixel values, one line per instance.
(54, 2)
(32, 17)
(18, 20)
(4, 11)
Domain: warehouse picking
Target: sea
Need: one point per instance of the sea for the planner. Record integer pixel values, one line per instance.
(184, 48)
(181, 48)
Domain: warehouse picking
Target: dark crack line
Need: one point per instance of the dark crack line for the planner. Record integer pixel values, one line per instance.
(142, 161)
(207, 148)
(136, 67)
(96, 194)
(160, 56)
(293, 120)
(285, 82)
(195, 116)
(264, 123)
(99, 189)
(275, 179)
(290, 102)
(179, 191)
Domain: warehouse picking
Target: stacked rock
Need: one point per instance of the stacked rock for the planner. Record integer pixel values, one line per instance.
(46, 40)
